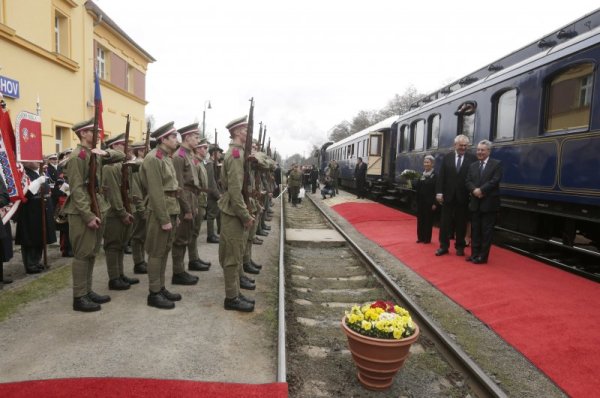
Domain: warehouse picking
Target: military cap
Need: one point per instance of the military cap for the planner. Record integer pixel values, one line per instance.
(203, 142)
(213, 148)
(53, 156)
(119, 139)
(163, 131)
(83, 126)
(191, 129)
(240, 121)
(138, 145)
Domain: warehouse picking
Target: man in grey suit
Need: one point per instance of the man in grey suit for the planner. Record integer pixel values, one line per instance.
(483, 183)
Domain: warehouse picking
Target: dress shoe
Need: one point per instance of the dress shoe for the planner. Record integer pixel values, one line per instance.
(470, 258)
(157, 300)
(212, 239)
(140, 268)
(246, 284)
(118, 284)
(84, 304)
(36, 269)
(247, 299)
(131, 281)
(197, 265)
(247, 278)
(170, 296)
(266, 227)
(419, 241)
(441, 252)
(460, 252)
(262, 233)
(97, 298)
(237, 304)
(257, 241)
(248, 268)
(183, 278)
(257, 266)
(479, 260)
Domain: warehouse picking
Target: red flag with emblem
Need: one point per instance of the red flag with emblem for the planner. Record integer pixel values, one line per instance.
(29, 137)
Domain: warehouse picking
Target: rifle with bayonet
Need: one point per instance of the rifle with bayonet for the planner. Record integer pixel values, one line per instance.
(262, 144)
(147, 143)
(125, 171)
(91, 186)
(247, 151)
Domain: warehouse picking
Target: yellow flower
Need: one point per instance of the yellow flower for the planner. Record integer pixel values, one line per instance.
(366, 325)
(398, 333)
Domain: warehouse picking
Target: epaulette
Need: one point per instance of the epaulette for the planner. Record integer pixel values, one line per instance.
(181, 152)
(159, 154)
(82, 154)
(235, 153)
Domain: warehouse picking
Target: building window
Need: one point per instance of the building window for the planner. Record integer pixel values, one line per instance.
(58, 136)
(61, 33)
(505, 106)
(433, 131)
(569, 99)
(129, 83)
(417, 134)
(101, 62)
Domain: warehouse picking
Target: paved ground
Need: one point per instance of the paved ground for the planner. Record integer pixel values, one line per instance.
(198, 340)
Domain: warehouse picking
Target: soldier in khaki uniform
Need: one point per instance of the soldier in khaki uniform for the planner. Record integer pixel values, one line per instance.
(118, 225)
(138, 194)
(187, 178)
(197, 264)
(160, 182)
(235, 218)
(215, 191)
(85, 227)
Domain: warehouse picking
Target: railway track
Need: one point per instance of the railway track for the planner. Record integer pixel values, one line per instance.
(324, 280)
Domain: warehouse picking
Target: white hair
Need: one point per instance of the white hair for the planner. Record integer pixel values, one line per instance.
(462, 137)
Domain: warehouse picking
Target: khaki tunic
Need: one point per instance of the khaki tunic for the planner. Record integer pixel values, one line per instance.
(116, 234)
(187, 178)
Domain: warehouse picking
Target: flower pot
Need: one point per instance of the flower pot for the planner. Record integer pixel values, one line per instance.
(377, 360)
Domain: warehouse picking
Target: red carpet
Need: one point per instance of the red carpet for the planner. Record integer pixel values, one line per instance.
(147, 388)
(550, 316)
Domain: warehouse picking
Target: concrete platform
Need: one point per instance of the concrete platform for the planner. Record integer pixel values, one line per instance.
(314, 237)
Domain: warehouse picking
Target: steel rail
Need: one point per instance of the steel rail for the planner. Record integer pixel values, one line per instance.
(281, 344)
(481, 383)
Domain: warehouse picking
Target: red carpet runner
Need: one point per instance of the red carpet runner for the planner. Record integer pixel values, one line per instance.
(550, 316)
(142, 388)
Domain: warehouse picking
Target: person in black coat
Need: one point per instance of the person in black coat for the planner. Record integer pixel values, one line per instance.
(29, 220)
(426, 204)
(314, 178)
(452, 194)
(6, 249)
(360, 175)
(483, 183)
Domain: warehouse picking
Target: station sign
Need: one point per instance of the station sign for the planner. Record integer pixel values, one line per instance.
(9, 87)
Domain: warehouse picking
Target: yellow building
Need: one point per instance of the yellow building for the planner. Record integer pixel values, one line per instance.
(49, 49)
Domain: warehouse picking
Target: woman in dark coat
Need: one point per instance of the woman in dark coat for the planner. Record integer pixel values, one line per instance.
(29, 220)
(6, 249)
(426, 206)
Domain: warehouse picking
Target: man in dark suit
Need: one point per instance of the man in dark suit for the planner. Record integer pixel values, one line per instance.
(483, 183)
(360, 174)
(452, 194)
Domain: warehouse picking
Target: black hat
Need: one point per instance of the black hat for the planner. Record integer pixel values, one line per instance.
(191, 129)
(83, 126)
(115, 140)
(163, 131)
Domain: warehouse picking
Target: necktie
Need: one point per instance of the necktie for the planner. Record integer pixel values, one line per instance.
(480, 167)
(458, 162)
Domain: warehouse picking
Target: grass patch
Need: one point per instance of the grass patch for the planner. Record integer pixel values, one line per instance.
(44, 286)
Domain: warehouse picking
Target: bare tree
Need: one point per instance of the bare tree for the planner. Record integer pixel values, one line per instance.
(339, 131)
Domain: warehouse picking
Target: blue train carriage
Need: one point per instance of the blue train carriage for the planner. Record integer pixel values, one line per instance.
(369, 144)
(541, 110)
(322, 158)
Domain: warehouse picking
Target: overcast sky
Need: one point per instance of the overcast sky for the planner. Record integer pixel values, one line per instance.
(313, 63)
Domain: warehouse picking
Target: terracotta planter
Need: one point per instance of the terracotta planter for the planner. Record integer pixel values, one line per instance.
(377, 360)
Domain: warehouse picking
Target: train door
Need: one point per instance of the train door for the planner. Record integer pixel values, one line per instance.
(375, 166)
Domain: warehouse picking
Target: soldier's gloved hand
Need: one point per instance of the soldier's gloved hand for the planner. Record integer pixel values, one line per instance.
(36, 184)
(94, 224)
(127, 219)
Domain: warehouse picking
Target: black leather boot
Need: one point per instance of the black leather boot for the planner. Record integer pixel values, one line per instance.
(84, 304)
(250, 269)
(183, 278)
(247, 299)
(118, 284)
(140, 268)
(212, 239)
(237, 304)
(257, 266)
(247, 278)
(97, 298)
(246, 284)
(157, 300)
(198, 265)
(170, 296)
(131, 281)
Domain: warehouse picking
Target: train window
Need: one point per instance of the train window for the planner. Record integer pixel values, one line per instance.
(417, 134)
(375, 145)
(466, 119)
(569, 99)
(433, 131)
(505, 107)
(365, 148)
(403, 141)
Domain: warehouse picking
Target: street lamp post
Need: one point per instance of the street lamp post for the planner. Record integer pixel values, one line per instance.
(204, 116)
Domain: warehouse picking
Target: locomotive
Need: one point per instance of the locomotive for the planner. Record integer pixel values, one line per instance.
(539, 106)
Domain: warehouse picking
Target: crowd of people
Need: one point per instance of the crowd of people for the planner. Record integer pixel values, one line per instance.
(152, 197)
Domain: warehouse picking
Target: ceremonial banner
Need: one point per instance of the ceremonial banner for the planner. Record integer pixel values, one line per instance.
(29, 137)
(8, 166)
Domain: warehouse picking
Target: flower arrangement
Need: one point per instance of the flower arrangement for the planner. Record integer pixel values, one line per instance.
(409, 174)
(380, 319)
